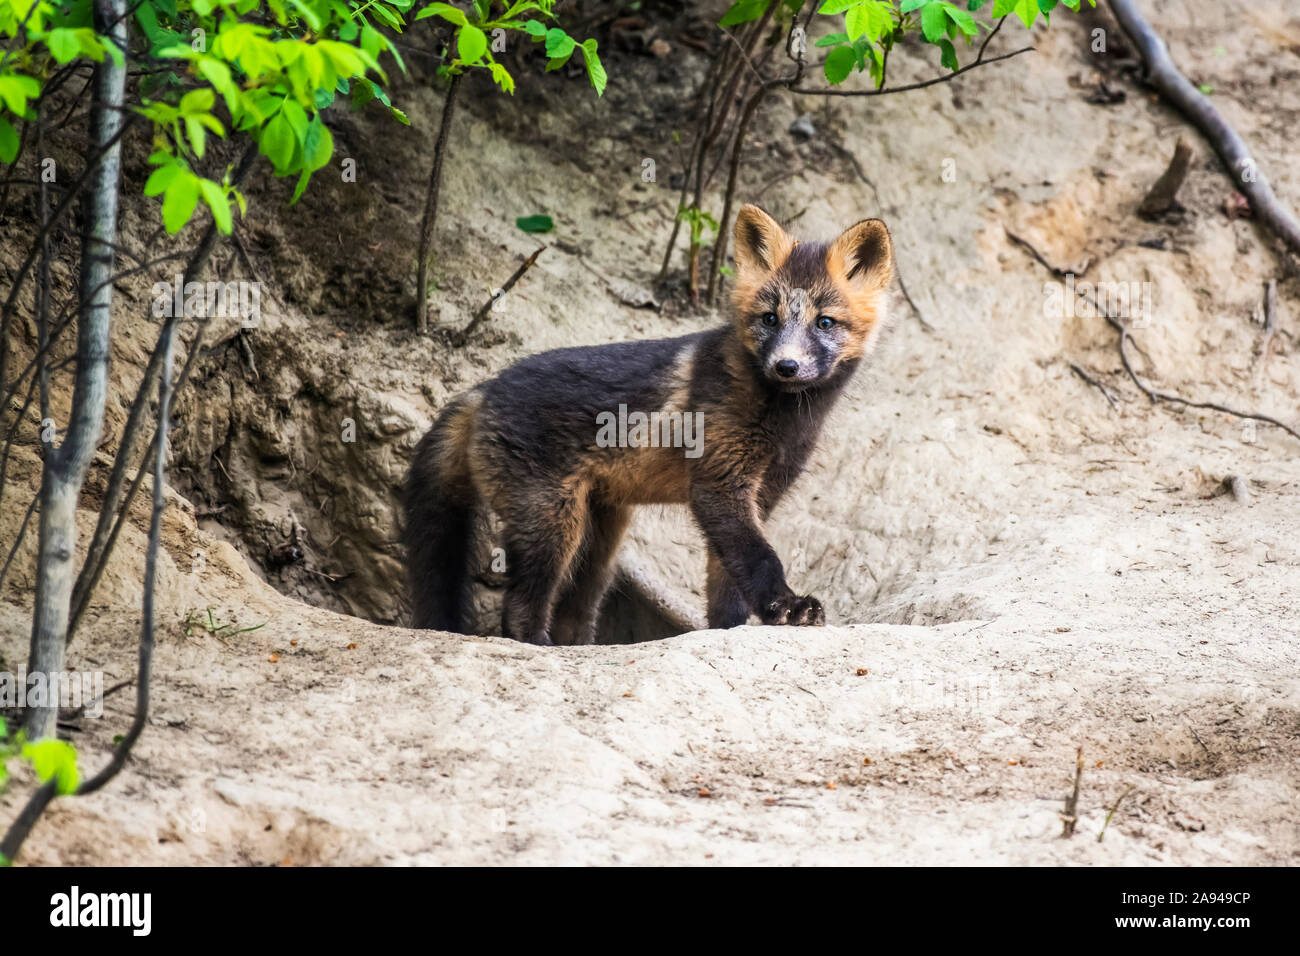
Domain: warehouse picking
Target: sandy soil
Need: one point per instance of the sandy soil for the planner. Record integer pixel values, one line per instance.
(1013, 568)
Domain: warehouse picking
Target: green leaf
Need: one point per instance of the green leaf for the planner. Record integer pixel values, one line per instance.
(198, 139)
(197, 101)
(216, 199)
(62, 44)
(535, 28)
(535, 223)
(54, 760)
(501, 76)
(934, 22)
(839, 64)
(595, 71)
(179, 202)
(834, 39)
(559, 45)
(8, 142)
(277, 142)
(362, 93)
(444, 10)
(16, 90)
(300, 187)
(471, 44)
(1026, 10)
(870, 18)
(317, 146)
(743, 11)
(949, 57)
(297, 117)
(160, 179)
(965, 22)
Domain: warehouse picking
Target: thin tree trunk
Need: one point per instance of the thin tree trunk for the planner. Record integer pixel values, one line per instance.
(36, 804)
(430, 218)
(65, 467)
(100, 545)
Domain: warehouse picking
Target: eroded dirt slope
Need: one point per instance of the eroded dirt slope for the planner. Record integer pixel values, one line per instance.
(1015, 568)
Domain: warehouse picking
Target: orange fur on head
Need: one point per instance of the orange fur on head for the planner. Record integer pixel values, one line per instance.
(761, 246)
(861, 264)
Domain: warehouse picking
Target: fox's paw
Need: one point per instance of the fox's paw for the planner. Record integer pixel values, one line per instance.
(795, 611)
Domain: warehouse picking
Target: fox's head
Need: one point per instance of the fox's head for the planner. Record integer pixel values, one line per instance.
(805, 309)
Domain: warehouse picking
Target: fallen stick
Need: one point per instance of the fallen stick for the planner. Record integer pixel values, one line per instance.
(1178, 90)
(463, 335)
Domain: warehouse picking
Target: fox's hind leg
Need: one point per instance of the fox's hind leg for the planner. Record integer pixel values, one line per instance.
(543, 533)
(727, 605)
(578, 610)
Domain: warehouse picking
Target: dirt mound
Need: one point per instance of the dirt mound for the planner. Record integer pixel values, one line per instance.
(1015, 566)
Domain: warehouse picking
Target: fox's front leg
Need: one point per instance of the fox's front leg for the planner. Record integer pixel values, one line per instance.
(729, 521)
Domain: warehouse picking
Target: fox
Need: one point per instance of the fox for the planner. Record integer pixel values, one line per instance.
(559, 448)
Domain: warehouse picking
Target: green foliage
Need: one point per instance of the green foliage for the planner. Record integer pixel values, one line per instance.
(873, 27)
(535, 223)
(51, 759)
(268, 67)
(474, 50)
(205, 621)
(9, 748)
(698, 221)
(54, 760)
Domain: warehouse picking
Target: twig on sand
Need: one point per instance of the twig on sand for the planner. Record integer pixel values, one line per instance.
(1092, 380)
(1124, 338)
(1270, 325)
(1197, 738)
(1071, 815)
(1110, 812)
(463, 335)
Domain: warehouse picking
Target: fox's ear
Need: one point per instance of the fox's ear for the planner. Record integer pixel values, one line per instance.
(863, 256)
(761, 245)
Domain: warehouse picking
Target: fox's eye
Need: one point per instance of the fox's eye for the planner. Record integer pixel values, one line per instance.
(769, 319)
(825, 322)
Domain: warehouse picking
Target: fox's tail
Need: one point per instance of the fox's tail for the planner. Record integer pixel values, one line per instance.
(439, 504)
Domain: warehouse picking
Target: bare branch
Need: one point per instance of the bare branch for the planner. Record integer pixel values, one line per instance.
(1165, 76)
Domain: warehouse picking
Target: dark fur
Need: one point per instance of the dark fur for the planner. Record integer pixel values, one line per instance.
(523, 445)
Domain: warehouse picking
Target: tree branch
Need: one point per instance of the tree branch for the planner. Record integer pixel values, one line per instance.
(1232, 149)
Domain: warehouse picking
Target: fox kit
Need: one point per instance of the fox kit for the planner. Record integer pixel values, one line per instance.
(562, 445)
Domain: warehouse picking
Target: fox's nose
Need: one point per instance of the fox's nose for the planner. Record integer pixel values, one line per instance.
(787, 368)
